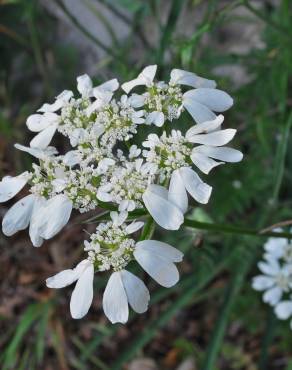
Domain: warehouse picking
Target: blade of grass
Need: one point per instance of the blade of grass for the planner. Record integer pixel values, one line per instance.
(267, 340)
(280, 158)
(221, 323)
(31, 314)
(175, 9)
(41, 333)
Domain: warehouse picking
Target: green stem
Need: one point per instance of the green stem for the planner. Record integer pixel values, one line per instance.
(148, 229)
(221, 324)
(175, 9)
(267, 339)
(212, 227)
(234, 229)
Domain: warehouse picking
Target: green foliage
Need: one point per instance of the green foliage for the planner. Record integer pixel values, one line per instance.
(35, 64)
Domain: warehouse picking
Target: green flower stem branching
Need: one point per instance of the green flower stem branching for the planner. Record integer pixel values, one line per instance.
(148, 229)
(212, 227)
(238, 230)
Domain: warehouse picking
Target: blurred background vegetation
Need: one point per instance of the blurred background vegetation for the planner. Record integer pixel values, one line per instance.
(212, 319)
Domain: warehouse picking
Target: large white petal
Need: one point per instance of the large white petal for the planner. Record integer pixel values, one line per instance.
(18, 216)
(84, 85)
(262, 282)
(37, 153)
(38, 122)
(217, 138)
(205, 127)
(66, 277)
(160, 249)
(273, 296)
(144, 78)
(271, 268)
(181, 77)
(72, 158)
(199, 190)
(161, 270)
(276, 246)
(134, 226)
(60, 101)
(157, 118)
(10, 186)
(110, 86)
(35, 220)
(164, 212)
(216, 100)
(177, 192)
(198, 111)
(43, 139)
(137, 293)
(283, 310)
(136, 101)
(55, 215)
(82, 294)
(115, 301)
(222, 154)
(204, 163)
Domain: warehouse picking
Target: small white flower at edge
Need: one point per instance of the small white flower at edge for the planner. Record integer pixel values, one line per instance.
(274, 281)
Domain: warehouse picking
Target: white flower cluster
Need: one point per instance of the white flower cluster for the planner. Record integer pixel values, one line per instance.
(104, 168)
(276, 278)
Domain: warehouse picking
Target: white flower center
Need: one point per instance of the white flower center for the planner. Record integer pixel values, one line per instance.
(110, 247)
(169, 153)
(166, 98)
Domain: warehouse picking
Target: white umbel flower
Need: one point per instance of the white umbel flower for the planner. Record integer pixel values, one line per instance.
(275, 281)
(167, 101)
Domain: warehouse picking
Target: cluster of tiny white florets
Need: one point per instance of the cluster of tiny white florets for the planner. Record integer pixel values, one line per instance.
(165, 98)
(276, 278)
(110, 247)
(167, 152)
(103, 165)
(128, 182)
